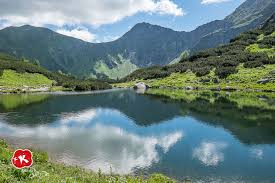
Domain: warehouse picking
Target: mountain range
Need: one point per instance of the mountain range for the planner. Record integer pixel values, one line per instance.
(143, 46)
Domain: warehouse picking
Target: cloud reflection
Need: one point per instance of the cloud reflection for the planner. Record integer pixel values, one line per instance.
(82, 117)
(257, 153)
(210, 153)
(96, 146)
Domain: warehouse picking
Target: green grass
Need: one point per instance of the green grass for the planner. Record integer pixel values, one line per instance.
(11, 78)
(14, 82)
(44, 171)
(245, 79)
(254, 48)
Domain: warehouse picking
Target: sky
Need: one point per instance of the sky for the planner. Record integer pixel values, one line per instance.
(106, 20)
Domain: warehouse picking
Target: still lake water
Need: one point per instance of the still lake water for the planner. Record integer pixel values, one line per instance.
(214, 140)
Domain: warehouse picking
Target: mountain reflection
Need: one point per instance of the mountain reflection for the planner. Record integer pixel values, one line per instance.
(91, 144)
(142, 109)
(249, 117)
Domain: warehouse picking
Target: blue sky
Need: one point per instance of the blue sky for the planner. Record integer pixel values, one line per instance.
(106, 20)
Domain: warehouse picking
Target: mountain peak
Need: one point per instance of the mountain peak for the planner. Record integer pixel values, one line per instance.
(249, 11)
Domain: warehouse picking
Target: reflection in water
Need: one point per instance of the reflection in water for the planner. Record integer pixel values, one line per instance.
(81, 117)
(210, 153)
(93, 145)
(257, 153)
(9, 102)
(208, 136)
(243, 114)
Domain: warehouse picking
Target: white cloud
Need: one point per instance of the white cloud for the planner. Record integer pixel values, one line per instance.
(108, 39)
(71, 12)
(210, 153)
(213, 1)
(80, 33)
(4, 25)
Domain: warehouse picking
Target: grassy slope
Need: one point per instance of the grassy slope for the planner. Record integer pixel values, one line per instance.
(255, 48)
(15, 74)
(246, 78)
(122, 69)
(11, 78)
(43, 171)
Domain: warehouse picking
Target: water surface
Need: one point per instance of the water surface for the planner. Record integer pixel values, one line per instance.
(207, 137)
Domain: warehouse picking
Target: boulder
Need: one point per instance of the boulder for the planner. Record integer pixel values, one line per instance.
(215, 80)
(229, 88)
(189, 88)
(263, 81)
(140, 85)
(205, 80)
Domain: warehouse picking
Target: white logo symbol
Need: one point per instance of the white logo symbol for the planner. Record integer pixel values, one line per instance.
(21, 159)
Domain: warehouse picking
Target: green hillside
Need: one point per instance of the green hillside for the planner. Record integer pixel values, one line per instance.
(247, 62)
(18, 75)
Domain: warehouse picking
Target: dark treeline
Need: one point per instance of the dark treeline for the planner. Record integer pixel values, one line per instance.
(67, 81)
(224, 59)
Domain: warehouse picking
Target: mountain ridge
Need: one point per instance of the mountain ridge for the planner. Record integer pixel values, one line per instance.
(143, 45)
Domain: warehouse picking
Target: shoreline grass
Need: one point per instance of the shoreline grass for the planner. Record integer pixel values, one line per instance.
(246, 79)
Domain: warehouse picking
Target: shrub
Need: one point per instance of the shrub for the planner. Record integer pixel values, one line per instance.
(253, 64)
(223, 72)
(201, 71)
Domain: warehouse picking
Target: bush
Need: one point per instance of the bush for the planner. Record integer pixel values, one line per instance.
(223, 72)
(253, 64)
(201, 71)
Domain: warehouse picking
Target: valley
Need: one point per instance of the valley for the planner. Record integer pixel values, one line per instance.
(152, 106)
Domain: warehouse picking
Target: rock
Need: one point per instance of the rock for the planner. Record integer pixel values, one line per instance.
(205, 80)
(272, 72)
(216, 89)
(263, 81)
(189, 88)
(215, 80)
(140, 85)
(229, 88)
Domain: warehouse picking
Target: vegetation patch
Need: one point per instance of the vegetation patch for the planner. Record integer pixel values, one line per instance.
(123, 68)
(17, 73)
(243, 79)
(255, 48)
(11, 78)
